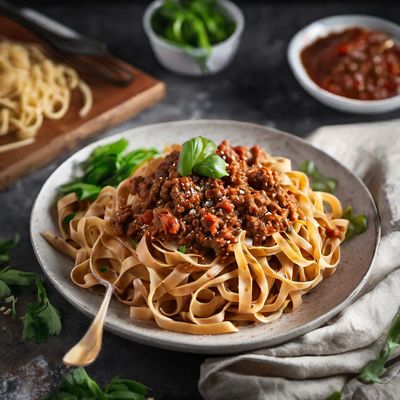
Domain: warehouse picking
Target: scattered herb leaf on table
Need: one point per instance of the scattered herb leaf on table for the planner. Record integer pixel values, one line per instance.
(79, 385)
(374, 369)
(41, 319)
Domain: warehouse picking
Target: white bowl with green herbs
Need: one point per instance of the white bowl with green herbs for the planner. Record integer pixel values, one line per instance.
(194, 37)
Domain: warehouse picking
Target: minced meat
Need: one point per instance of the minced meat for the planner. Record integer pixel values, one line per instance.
(206, 215)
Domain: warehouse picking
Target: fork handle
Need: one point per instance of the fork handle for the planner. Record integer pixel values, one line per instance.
(88, 348)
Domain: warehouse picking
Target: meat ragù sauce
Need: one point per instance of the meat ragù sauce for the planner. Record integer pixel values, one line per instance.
(206, 215)
(356, 63)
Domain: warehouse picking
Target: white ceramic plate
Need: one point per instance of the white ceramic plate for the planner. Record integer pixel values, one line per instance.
(321, 304)
(324, 27)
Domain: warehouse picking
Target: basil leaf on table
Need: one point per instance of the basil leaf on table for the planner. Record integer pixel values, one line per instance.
(13, 277)
(79, 385)
(335, 396)
(374, 369)
(41, 319)
(16, 277)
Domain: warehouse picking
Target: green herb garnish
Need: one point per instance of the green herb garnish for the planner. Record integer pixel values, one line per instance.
(5, 248)
(68, 218)
(79, 385)
(374, 369)
(13, 277)
(335, 396)
(194, 26)
(106, 166)
(182, 249)
(103, 268)
(134, 243)
(319, 182)
(357, 223)
(198, 156)
(41, 319)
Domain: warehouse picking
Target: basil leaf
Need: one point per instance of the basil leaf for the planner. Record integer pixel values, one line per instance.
(358, 224)
(112, 149)
(194, 151)
(79, 385)
(374, 369)
(319, 183)
(85, 191)
(41, 319)
(198, 155)
(335, 396)
(213, 167)
(15, 277)
(5, 290)
(33, 327)
(107, 165)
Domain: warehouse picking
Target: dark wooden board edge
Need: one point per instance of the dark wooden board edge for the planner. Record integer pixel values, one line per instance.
(54, 148)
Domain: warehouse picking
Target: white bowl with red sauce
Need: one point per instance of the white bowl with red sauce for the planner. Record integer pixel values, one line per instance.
(321, 29)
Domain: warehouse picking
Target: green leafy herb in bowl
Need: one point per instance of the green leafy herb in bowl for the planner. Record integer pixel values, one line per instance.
(194, 37)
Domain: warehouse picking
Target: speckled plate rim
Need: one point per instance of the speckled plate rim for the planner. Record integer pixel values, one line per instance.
(88, 302)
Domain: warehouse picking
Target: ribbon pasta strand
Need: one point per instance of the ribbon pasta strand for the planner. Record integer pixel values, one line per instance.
(182, 293)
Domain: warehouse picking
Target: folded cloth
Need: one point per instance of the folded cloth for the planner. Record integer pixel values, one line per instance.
(328, 359)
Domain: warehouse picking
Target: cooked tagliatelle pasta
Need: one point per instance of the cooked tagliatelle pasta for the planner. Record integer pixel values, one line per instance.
(32, 88)
(202, 255)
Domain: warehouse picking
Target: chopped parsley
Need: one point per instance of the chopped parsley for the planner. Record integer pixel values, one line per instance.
(182, 249)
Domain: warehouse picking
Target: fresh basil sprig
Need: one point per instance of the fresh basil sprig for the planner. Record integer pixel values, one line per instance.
(79, 385)
(374, 369)
(41, 319)
(14, 277)
(198, 156)
(106, 166)
(319, 182)
(357, 223)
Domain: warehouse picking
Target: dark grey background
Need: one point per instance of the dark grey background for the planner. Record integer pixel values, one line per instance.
(257, 87)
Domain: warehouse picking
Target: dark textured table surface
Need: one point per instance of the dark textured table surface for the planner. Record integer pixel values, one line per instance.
(257, 87)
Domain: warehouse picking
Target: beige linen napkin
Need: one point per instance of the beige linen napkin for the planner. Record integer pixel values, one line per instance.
(327, 359)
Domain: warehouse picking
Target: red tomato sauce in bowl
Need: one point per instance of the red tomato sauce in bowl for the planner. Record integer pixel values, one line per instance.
(357, 63)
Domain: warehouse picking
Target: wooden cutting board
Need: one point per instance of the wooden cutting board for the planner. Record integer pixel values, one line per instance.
(111, 105)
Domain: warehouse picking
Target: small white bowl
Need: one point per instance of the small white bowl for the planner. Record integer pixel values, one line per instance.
(324, 27)
(177, 60)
